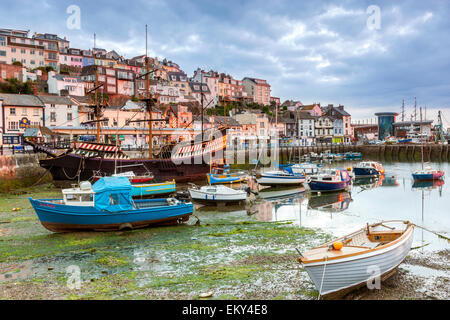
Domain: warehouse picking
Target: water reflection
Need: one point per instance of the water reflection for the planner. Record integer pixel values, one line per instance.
(330, 202)
(390, 197)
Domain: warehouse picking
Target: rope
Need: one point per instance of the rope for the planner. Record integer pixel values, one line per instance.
(439, 235)
(78, 170)
(323, 275)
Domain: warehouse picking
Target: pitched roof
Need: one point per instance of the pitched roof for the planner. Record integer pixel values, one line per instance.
(27, 100)
(56, 100)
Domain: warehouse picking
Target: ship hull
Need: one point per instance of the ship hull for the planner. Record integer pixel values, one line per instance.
(68, 166)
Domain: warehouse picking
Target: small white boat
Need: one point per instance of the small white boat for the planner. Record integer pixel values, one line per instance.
(344, 264)
(217, 193)
(280, 177)
(366, 169)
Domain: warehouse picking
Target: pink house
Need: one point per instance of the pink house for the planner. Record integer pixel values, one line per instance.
(313, 109)
(71, 57)
(58, 82)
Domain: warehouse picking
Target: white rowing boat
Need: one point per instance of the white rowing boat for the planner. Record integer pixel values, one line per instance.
(280, 177)
(217, 193)
(377, 249)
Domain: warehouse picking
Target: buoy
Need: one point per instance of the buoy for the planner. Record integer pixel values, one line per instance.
(349, 169)
(337, 245)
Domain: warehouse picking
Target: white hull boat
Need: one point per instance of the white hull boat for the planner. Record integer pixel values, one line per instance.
(217, 193)
(280, 178)
(377, 249)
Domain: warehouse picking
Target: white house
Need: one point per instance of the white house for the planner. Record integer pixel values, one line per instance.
(58, 82)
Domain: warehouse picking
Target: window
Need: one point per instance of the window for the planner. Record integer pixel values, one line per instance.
(41, 53)
(23, 51)
(13, 49)
(114, 199)
(53, 116)
(11, 140)
(32, 62)
(69, 116)
(2, 53)
(2, 41)
(13, 125)
(32, 52)
(12, 111)
(69, 106)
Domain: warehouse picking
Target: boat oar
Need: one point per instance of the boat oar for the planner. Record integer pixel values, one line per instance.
(439, 235)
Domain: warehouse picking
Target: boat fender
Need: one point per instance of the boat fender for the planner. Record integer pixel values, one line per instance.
(125, 226)
(336, 245)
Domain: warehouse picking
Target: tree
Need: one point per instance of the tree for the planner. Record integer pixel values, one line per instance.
(16, 86)
(17, 63)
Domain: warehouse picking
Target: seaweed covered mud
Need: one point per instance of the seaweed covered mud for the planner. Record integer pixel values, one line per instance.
(222, 252)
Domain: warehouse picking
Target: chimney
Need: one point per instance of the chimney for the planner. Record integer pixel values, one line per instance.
(341, 107)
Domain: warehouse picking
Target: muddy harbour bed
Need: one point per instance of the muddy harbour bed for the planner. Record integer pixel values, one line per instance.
(221, 252)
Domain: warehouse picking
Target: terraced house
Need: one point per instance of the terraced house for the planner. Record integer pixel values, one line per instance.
(18, 112)
(15, 45)
(258, 90)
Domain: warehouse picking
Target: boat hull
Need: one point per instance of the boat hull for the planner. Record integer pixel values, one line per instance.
(273, 180)
(221, 179)
(323, 186)
(428, 176)
(357, 270)
(365, 172)
(68, 166)
(206, 197)
(142, 190)
(63, 218)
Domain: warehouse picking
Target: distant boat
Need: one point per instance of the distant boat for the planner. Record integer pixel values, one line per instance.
(152, 189)
(280, 177)
(331, 180)
(107, 205)
(305, 169)
(341, 265)
(367, 169)
(427, 174)
(353, 155)
(131, 176)
(405, 140)
(217, 193)
(226, 176)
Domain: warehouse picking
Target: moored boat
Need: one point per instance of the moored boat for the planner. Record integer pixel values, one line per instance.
(305, 169)
(152, 189)
(351, 261)
(280, 177)
(427, 174)
(107, 205)
(217, 193)
(367, 169)
(330, 180)
(226, 176)
(131, 176)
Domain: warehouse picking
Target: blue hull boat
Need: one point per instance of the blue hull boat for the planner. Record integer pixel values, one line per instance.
(152, 189)
(106, 206)
(226, 178)
(365, 172)
(334, 180)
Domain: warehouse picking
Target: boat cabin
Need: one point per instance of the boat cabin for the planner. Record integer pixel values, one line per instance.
(79, 196)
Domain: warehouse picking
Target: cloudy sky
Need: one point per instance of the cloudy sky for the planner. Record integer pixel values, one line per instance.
(313, 51)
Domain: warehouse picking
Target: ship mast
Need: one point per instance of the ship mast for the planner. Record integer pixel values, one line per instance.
(421, 136)
(149, 108)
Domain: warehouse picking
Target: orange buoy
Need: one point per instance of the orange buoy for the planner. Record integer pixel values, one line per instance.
(349, 169)
(337, 245)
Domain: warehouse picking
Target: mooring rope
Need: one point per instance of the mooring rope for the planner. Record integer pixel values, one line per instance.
(323, 276)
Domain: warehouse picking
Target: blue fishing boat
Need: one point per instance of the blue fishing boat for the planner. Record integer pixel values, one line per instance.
(332, 180)
(353, 156)
(152, 189)
(107, 205)
(367, 169)
(225, 175)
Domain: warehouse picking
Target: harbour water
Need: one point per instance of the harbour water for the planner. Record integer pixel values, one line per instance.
(392, 197)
